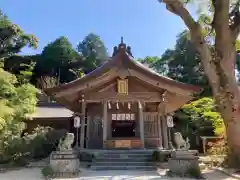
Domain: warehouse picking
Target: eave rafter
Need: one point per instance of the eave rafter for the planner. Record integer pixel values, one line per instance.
(133, 96)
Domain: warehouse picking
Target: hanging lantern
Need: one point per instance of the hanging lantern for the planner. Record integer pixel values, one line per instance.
(117, 105)
(109, 105)
(129, 105)
(139, 105)
(77, 122)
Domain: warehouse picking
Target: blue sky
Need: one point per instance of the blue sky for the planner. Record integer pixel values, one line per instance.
(144, 24)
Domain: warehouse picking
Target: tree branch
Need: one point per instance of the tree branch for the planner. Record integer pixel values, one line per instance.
(177, 8)
(221, 22)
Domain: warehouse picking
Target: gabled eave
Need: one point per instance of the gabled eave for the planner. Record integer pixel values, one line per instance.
(122, 59)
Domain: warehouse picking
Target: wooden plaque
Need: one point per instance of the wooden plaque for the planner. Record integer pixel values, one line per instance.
(123, 144)
(122, 86)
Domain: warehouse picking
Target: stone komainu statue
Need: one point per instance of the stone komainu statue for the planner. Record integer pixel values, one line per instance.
(181, 144)
(66, 142)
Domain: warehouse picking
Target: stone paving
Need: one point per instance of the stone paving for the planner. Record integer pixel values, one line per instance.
(35, 174)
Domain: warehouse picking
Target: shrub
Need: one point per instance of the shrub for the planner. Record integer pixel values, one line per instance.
(16, 152)
(191, 172)
(37, 145)
(43, 141)
(194, 172)
(47, 172)
(218, 148)
(156, 156)
(88, 157)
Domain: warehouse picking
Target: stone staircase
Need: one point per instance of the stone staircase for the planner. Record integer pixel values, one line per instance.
(123, 160)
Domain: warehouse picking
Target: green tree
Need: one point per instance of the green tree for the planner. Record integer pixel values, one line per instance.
(16, 103)
(199, 118)
(58, 60)
(184, 63)
(93, 51)
(218, 60)
(155, 63)
(12, 37)
(12, 40)
(21, 66)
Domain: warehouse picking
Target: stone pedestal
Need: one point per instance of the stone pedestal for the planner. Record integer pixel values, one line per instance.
(182, 162)
(64, 163)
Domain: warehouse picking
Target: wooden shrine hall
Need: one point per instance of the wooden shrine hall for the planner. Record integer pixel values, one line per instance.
(123, 104)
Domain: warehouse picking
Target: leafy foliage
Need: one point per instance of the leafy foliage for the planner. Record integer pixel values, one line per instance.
(12, 37)
(58, 63)
(180, 63)
(16, 102)
(158, 157)
(47, 171)
(36, 145)
(155, 63)
(199, 118)
(94, 52)
(219, 147)
(202, 110)
(58, 60)
(21, 66)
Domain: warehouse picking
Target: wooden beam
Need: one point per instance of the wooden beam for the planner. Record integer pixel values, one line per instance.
(107, 87)
(159, 84)
(113, 96)
(89, 84)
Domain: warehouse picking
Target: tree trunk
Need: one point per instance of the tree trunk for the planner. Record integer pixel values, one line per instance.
(229, 109)
(219, 67)
(233, 134)
(227, 96)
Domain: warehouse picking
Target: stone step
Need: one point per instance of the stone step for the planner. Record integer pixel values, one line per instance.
(129, 159)
(126, 163)
(146, 168)
(123, 160)
(127, 152)
(124, 155)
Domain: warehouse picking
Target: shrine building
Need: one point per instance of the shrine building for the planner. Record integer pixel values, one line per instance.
(123, 104)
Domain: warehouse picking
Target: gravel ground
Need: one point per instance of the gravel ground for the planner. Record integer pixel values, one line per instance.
(35, 174)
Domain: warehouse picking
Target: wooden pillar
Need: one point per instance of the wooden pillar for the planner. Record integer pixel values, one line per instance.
(105, 107)
(164, 120)
(165, 132)
(83, 124)
(109, 122)
(88, 131)
(160, 144)
(141, 123)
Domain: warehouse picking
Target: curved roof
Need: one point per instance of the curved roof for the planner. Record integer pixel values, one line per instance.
(121, 58)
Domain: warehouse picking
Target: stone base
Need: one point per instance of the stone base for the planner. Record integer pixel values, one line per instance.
(184, 153)
(182, 162)
(64, 163)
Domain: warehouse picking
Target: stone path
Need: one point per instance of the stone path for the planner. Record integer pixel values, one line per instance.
(35, 174)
